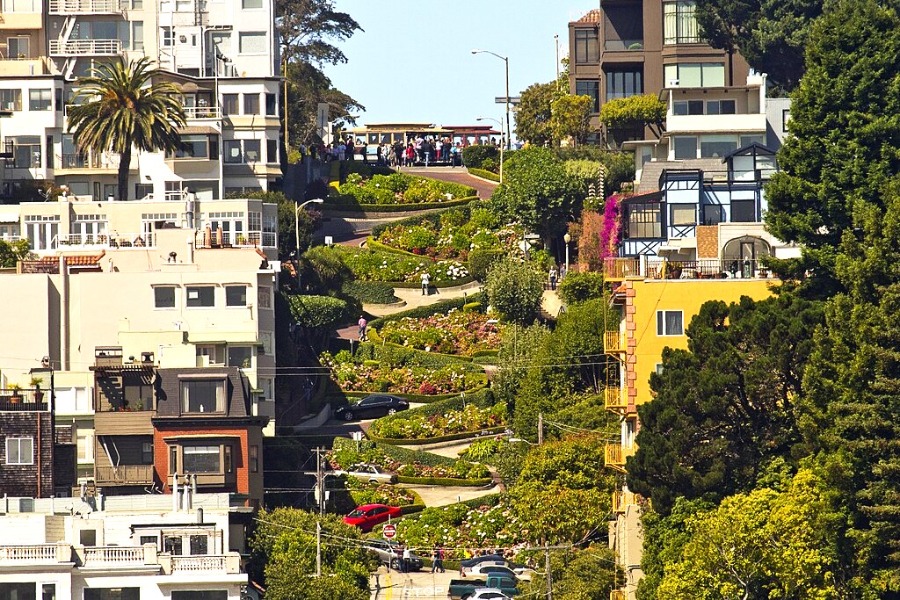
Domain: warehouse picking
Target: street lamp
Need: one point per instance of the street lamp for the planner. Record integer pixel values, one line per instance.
(567, 238)
(499, 122)
(297, 221)
(505, 59)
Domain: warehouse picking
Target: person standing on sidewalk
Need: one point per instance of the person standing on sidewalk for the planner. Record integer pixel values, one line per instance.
(553, 275)
(362, 328)
(426, 281)
(407, 556)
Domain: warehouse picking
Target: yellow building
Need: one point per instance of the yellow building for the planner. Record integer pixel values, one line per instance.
(656, 304)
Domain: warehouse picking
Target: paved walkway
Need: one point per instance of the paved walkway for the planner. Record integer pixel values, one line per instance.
(456, 175)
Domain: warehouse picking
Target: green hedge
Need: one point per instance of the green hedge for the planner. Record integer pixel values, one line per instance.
(412, 508)
(402, 355)
(411, 285)
(440, 438)
(481, 261)
(433, 217)
(406, 455)
(376, 338)
(370, 292)
(365, 169)
(349, 204)
(489, 175)
(442, 306)
(445, 481)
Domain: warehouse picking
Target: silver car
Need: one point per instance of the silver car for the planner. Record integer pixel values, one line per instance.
(390, 553)
(370, 473)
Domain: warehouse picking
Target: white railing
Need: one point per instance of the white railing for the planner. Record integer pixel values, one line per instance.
(250, 239)
(35, 553)
(202, 112)
(166, 197)
(85, 47)
(198, 563)
(82, 7)
(117, 555)
(105, 240)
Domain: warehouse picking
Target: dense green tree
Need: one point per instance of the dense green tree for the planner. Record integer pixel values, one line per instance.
(538, 192)
(514, 288)
(318, 316)
(534, 114)
(283, 556)
(770, 34)
(588, 574)
(322, 271)
(846, 136)
(581, 287)
(126, 107)
(634, 112)
(308, 31)
(727, 405)
(763, 544)
(571, 118)
(12, 252)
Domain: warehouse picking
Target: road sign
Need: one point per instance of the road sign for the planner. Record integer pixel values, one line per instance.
(389, 531)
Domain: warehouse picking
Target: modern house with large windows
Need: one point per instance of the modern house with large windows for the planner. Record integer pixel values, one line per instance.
(632, 47)
(221, 53)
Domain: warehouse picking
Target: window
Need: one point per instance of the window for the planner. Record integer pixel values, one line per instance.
(19, 451)
(229, 461)
(137, 4)
(235, 295)
(11, 99)
(233, 152)
(200, 595)
(201, 296)
(252, 43)
(17, 591)
(18, 47)
(201, 459)
(87, 537)
(164, 297)
(48, 591)
(687, 107)
(84, 442)
(40, 100)
(717, 146)
(253, 453)
(680, 23)
(167, 35)
(683, 214)
(137, 35)
(203, 395)
(250, 4)
(271, 151)
(644, 220)
(591, 88)
(720, 107)
(264, 297)
(26, 151)
(199, 544)
(746, 140)
(147, 453)
(685, 147)
(239, 356)
(743, 211)
(785, 119)
(173, 459)
(230, 104)
(149, 539)
(251, 104)
(172, 544)
(198, 146)
(694, 75)
(622, 84)
(712, 214)
(131, 593)
(587, 46)
(659, 368)
(271, 105)
(669, 322)
(251, 151)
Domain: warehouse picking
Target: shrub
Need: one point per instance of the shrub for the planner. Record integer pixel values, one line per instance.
(317, 311)
(370, 292)
(484, 174)
(437, 308)
(481, 261)
(475, 155)
(471, 307)
(581, 287)
(515, 289)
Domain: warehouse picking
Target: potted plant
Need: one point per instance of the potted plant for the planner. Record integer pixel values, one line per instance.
(36, 384)
(16, 390)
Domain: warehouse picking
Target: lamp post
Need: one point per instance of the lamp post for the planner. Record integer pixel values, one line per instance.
(505, 59)
(499, 122)
(297, 221)
(567, 238)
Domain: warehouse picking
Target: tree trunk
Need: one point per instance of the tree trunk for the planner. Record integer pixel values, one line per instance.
(124, 166)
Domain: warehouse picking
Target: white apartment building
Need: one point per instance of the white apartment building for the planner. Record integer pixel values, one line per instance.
(123, 548)
(222, 53)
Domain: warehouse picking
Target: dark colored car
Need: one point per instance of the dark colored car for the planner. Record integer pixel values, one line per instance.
(391, 553)
(368, 516)
(376, 405)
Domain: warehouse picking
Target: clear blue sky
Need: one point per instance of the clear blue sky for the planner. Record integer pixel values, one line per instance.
(414, 63)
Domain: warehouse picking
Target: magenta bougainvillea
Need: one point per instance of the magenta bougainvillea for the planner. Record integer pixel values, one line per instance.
(612, 226)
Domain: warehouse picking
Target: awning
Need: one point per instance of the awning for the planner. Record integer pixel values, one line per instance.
(198, 129)
(678, 244)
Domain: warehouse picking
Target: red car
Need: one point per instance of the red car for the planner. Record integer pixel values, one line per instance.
(368, 516)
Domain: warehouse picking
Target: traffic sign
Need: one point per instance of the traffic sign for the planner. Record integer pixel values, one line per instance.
(389, 531)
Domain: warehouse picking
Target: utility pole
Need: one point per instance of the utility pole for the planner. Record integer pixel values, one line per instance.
(549, 574)
(320, 481)
(318, 548)
(540, 428)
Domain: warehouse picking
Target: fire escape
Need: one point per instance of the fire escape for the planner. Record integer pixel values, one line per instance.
(70, 45)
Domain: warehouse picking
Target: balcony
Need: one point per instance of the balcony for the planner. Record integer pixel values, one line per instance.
(32, 554)
(24, 400)
(616, 455)
(75, 162)
(117, 556)
(660, 268)
(621, 268)
(616, 399)
(202, 112)
(621, 500)
(78, 241)
(85, 7)
(227, 563)
(226, 239)
(613, 341)
(23, 67)
(124, 475)
(85, 47)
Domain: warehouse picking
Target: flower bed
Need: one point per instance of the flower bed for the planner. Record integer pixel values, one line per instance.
(457, 332)
(398, 188)
(413, 377)
(404, 462)
(380, 493)
(453, 235)
(373, 265)
(414, 425)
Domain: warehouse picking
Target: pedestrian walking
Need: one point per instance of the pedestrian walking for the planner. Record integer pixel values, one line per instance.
(426, 281)
(362, 328)
(440, 559)
(552, 276)
(434, 559)
(407, 556)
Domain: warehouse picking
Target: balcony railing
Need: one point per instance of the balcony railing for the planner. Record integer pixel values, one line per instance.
(621, 499)
(95, 556)
(125, 475)
(615, 398)
(84, 7)
(202, 112)
(24, 400)
(88, 161)
(617, 595)
(613, 341)
(31, 553)
(659, 268)
(85, 47)
(621, 268)
(230, 239)
(619, 45)
(616, 455)
(105, 240)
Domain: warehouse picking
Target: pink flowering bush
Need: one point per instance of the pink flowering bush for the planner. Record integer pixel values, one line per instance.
(414, 425)
(457, 332)
(374, 376)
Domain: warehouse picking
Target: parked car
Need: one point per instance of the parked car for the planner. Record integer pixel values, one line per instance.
(463, 589)
(369, 472)
(376, 405)
(368, 516)
(515, 571)
(489, 594)
(390, 553)
(466, 566)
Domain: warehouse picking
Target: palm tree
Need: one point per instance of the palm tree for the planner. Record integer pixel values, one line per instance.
(125, 109)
